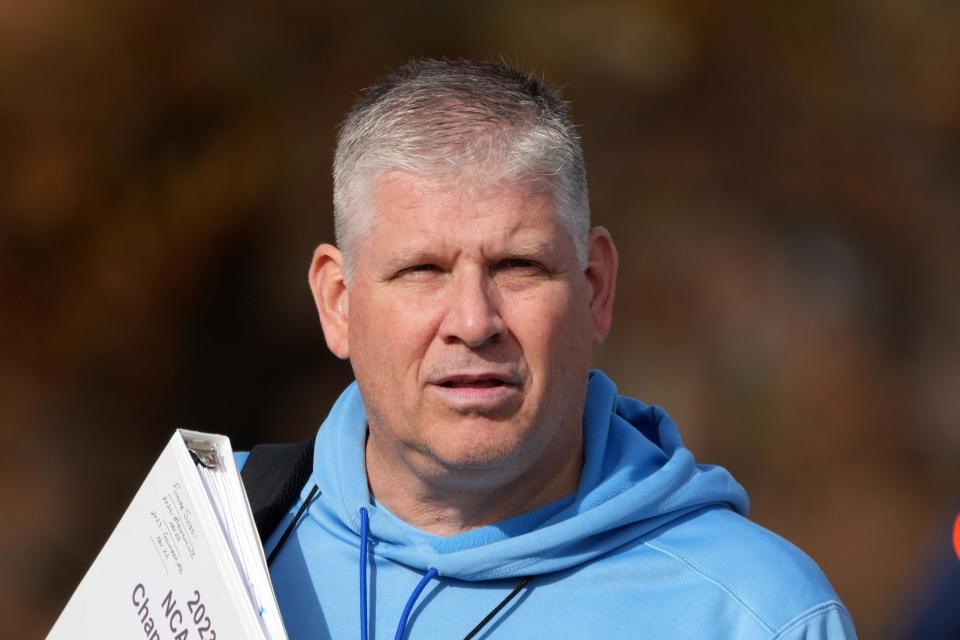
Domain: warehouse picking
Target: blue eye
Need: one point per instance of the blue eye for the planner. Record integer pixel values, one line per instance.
(418, 271)
(520, 264)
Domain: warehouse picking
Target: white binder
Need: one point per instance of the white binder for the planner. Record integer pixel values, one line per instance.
(185, 561)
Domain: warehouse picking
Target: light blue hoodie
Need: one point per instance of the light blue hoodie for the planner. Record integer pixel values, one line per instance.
(652, 545)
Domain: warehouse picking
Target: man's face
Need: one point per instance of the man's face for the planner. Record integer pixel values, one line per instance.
(469, 327)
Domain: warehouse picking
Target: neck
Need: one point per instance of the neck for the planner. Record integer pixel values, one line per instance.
(451, 502)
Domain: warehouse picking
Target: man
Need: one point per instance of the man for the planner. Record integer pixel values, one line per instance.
(478, 480)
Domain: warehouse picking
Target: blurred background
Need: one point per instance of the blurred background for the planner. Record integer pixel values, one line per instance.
(781, 179)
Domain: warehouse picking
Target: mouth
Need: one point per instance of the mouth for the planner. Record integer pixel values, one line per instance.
(476, 381)
(488, 393)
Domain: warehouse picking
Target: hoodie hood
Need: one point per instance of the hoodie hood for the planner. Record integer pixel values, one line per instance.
(637, 477)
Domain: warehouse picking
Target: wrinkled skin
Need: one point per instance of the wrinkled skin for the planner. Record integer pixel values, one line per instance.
(470, 327)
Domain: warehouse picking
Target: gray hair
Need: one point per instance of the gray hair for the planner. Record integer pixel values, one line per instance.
(442, 117)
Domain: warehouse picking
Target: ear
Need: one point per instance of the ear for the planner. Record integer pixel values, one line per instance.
(331, 297)
(601, 273)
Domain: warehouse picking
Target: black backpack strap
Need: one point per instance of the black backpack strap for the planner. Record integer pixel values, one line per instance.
(274, 475)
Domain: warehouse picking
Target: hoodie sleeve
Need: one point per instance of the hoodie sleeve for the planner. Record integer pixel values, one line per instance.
(827, 621)
(240, 459)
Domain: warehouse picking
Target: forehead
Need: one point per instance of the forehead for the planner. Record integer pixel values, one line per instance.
(416, 217)
(456, 208)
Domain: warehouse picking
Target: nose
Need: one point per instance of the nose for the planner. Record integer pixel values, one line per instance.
(473, 316)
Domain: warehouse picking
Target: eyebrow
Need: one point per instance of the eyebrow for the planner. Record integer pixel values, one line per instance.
(404, 257)
(418, 255)
(535, 249)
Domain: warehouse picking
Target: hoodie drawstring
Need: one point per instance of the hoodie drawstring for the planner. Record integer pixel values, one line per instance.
(364, 561)
(364, 534)
(412, 600)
